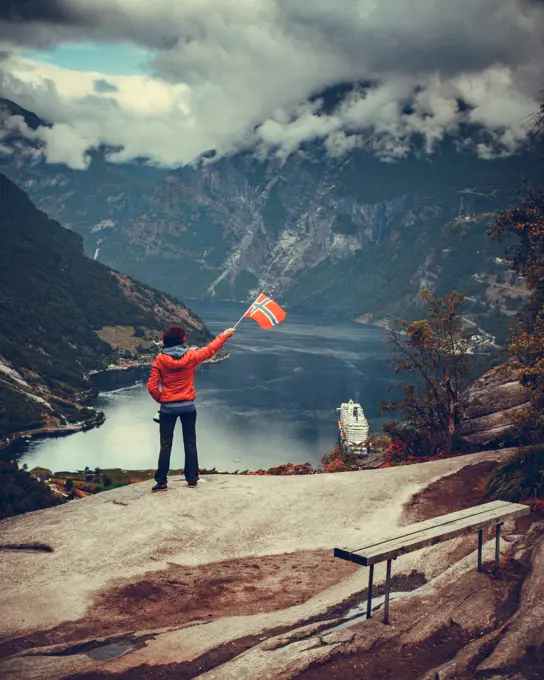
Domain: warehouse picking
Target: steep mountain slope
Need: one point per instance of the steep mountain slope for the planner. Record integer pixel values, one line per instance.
(55, 305)
(80, 199)
(351, 235)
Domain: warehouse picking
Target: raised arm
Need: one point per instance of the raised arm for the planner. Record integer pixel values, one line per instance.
(200, 355)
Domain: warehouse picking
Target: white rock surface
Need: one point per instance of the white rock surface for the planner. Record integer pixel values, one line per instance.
(98, 543)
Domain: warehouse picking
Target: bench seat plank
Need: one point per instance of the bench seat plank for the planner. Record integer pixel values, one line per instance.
(427, 533)
(429, 523)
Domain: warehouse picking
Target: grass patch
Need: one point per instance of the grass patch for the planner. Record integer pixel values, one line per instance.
(127, 338)
(520, 479)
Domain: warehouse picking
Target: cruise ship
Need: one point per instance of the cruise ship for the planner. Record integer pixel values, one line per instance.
(352, 428)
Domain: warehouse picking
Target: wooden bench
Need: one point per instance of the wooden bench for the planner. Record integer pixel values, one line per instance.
(430, 532)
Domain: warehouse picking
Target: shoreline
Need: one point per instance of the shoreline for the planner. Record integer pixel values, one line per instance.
(131, 364)
(50, 432)
(376, 461)
(98, 419)
(380, 323)
(126, 477)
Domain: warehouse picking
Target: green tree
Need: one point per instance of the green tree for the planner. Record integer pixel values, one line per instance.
(21, 492)
(434, 353)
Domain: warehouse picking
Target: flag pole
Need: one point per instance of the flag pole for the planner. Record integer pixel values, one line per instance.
(247, 310)
(243, 315)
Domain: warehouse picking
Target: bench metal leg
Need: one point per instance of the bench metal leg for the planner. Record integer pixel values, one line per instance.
(480, 545)
(497, 547)
(369, 595)
(387, 592)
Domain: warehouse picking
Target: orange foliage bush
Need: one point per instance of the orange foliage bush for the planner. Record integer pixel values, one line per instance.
(286, 469)
(337, 465)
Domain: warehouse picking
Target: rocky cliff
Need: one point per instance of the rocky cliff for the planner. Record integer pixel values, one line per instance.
(491, 405)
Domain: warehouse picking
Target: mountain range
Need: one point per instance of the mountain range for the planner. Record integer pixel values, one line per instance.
(353, 235)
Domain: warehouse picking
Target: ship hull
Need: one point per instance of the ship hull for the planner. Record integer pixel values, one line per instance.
(352, 429)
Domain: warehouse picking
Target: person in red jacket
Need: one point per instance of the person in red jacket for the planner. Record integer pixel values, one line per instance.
(172, 385)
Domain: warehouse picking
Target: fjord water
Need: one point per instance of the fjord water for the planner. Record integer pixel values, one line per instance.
(273, 401)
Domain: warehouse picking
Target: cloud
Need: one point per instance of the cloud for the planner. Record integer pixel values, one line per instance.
(16, 11)
(101, 85)
(232, 74)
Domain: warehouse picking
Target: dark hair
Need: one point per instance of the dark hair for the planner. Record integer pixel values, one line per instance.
(174, 336)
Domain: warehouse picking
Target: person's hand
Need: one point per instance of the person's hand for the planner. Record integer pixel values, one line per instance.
(229, 332)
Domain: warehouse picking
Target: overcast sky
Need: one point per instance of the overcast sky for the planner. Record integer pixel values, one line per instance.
(170, 79)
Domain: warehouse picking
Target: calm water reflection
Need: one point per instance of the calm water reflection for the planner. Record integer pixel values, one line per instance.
(272, 402)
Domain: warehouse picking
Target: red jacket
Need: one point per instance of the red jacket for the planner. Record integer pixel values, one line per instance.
(176, 376)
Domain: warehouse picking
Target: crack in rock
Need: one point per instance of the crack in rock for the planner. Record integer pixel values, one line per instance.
(27, 547)
(99, 650)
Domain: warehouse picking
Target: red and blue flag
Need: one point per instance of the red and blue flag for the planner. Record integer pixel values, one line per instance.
(266, 312)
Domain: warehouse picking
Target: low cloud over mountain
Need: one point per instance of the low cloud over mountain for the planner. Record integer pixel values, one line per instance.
(231, 74)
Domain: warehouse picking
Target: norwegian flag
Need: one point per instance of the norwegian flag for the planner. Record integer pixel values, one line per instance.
(266, 312)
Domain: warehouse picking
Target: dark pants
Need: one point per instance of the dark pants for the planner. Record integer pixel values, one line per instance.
(167, 423)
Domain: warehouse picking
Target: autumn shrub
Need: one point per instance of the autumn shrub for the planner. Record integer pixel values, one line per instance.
(395, 453)
(339, 461)
(434, 355)
(337, 465)
(378, 443)
(290, 469)
(335, 454)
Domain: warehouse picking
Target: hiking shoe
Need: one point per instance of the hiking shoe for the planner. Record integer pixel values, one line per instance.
(160, 487)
